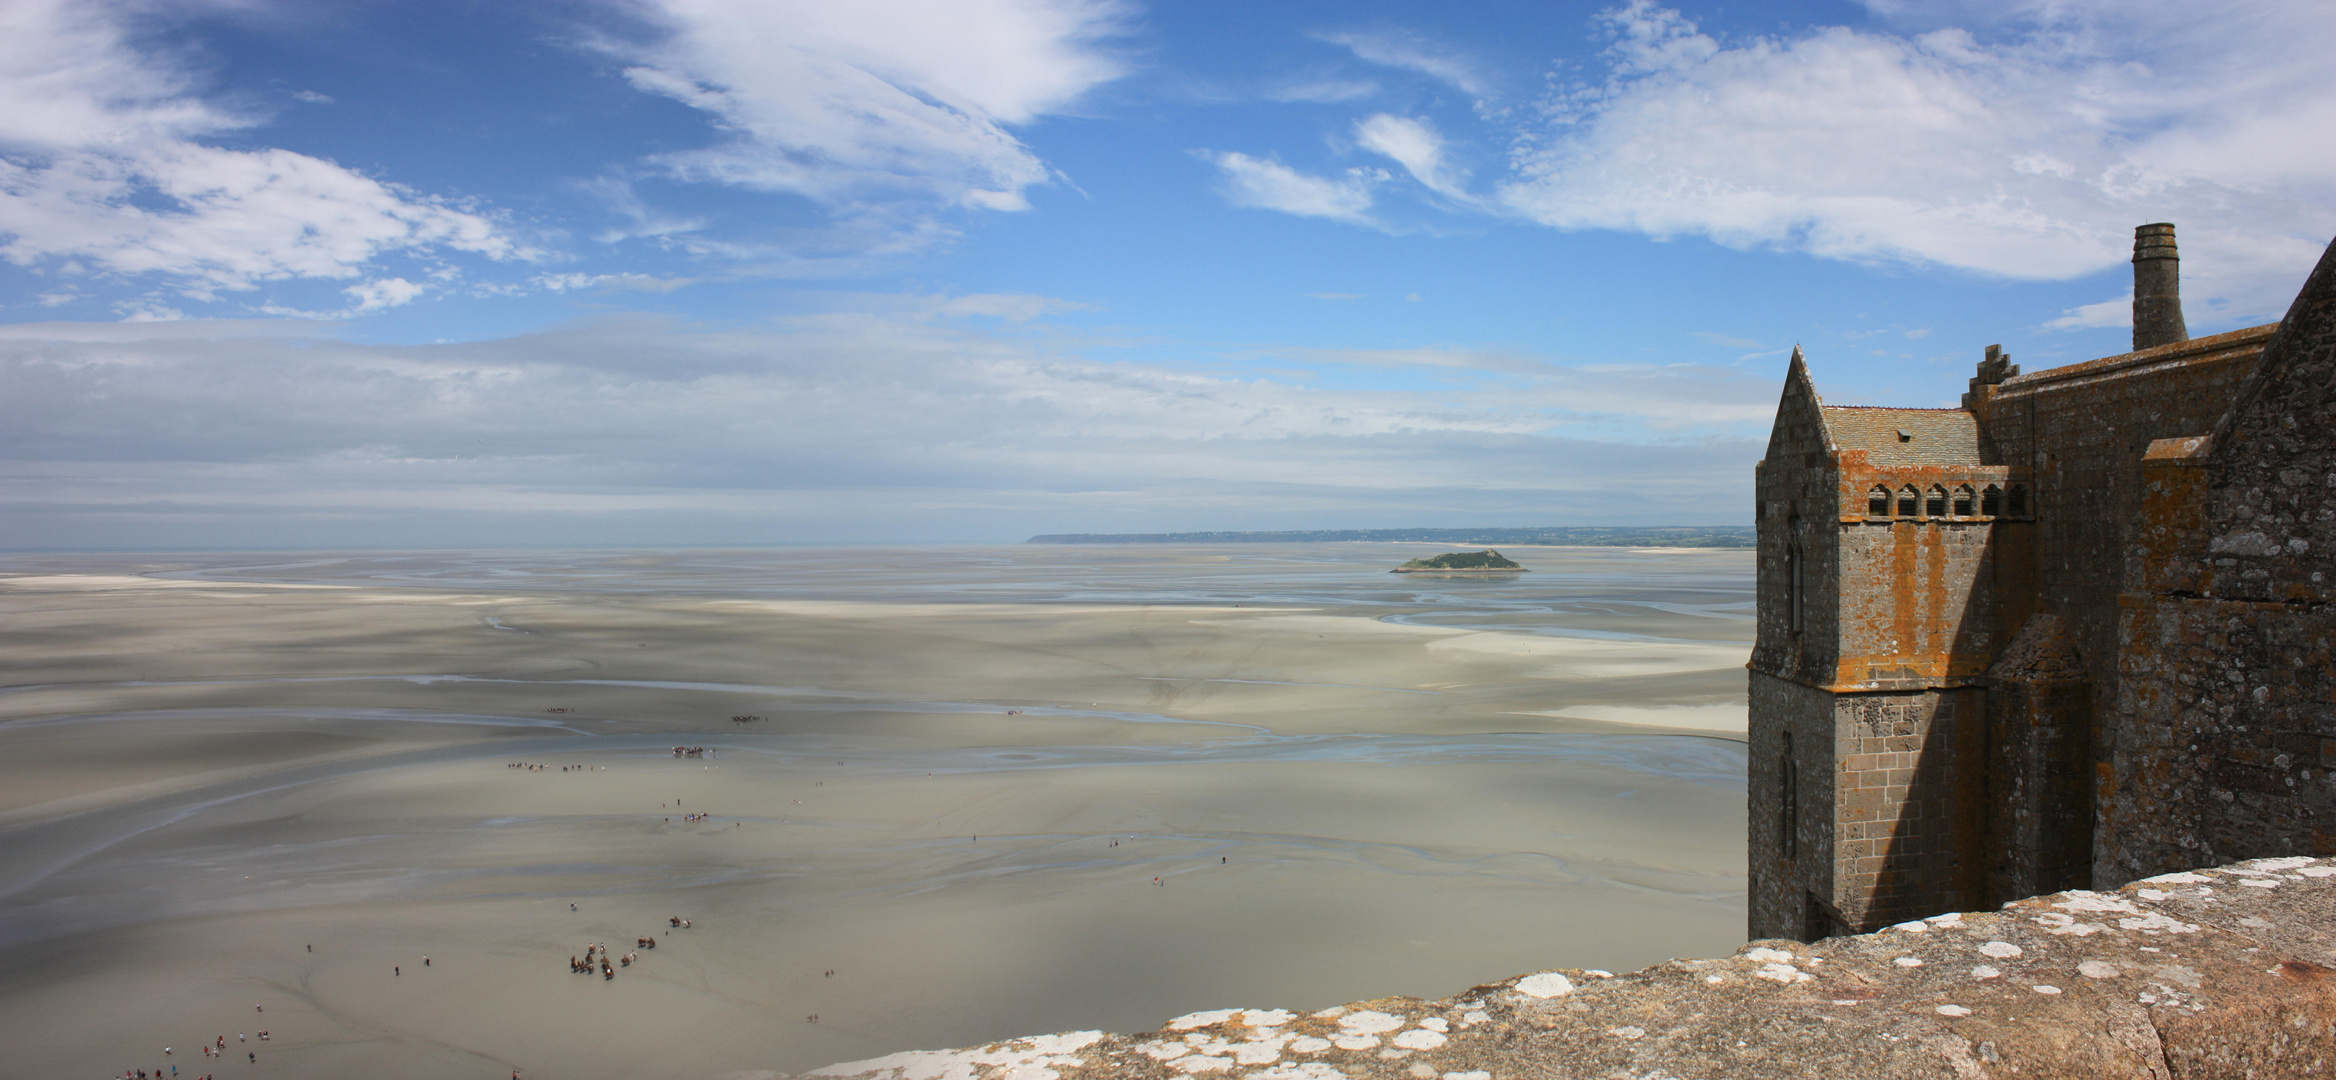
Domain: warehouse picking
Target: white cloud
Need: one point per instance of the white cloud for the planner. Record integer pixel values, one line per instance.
(1416, 146)
(1429, 356)
(211, 219)
(98, 172)
(1271, 185)
(2031, 154)
(68, 80)
(838, 102)
(1325, 91)
(1012, 307)
(201, 330)
(626, 282)
(150, 312)
(385, 293)
(619, 195)
(1414, 53)
(1617, 397)
(855, 413)
(2107, 313)
(312, 97)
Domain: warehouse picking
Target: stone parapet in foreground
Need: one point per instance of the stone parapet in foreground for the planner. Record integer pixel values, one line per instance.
(2229, 972)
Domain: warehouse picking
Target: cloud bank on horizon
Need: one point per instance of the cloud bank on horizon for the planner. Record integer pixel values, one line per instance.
(718, 271)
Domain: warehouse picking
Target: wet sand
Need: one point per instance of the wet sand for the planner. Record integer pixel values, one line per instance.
(1396, 789)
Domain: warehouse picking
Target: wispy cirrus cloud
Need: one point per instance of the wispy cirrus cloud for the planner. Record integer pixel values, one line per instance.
(1415, 145)
(1324, 91)
(100, 172)
(846, 102)
(2030, 153)
(1265, 184)
(1416, 52)
(2014, 138)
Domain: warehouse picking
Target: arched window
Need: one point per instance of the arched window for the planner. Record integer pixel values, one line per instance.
(1938, 501)
(2017, 504)
(1991, 501)
(1878, 502)
(1908, 499)
(1789, 801)
(1963, 501)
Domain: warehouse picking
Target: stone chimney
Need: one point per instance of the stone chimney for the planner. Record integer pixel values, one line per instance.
(2157, 288)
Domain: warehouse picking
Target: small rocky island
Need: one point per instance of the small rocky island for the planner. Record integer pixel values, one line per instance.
(1487, 561)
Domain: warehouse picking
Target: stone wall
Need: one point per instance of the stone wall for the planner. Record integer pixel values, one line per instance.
(1909, 816)
(2271, 489)
(1790, 827)
(2131, 669)
(1917, 603)
(1796, 503)
(2079, 434)
(2220, 974)
(2226, 710)
(2039, 765)
(2229, 743)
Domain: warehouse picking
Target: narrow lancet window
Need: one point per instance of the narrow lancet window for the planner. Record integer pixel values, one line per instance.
(1991, 501)
(1878, 502)
(2017, 504)
(1963, 501)
(1938, 501)
(1908, 498)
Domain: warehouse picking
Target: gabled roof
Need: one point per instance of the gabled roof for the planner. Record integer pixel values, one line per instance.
(1904, 438)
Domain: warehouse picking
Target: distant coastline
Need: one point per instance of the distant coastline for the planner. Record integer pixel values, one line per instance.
(1667, 536)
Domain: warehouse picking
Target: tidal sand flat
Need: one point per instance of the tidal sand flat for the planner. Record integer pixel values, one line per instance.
(931, 797)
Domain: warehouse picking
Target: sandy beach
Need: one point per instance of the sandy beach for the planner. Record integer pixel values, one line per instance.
(236, 799)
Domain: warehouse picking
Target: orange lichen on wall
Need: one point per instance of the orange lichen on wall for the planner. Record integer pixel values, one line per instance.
(1913, 583)
(2158, 528)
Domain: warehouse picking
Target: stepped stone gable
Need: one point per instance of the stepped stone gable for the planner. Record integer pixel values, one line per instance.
(2073, 633)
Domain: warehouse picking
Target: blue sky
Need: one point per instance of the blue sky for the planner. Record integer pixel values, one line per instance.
(717, 272)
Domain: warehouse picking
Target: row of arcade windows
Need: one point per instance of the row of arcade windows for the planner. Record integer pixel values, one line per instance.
(1991, 501)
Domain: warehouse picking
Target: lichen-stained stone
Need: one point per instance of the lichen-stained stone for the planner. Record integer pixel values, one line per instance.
(2079, 631)
(2202, 975)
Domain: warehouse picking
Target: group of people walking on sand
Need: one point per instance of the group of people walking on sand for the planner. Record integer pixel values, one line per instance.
(599, 951)
(700, 751)
(209, 1049)
(596, 954)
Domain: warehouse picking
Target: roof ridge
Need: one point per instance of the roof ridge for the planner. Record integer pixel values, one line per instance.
(1899, 408)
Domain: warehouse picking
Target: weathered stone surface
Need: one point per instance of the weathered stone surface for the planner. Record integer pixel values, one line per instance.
(2229, 972)
(2226, 703)
(2079, 631)
(2039, 764)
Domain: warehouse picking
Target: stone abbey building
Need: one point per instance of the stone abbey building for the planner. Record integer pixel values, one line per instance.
(2079, 631)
